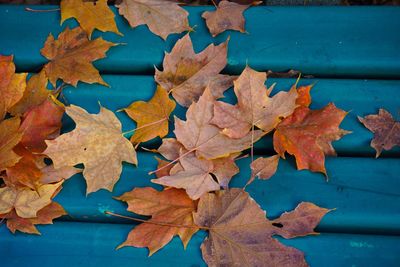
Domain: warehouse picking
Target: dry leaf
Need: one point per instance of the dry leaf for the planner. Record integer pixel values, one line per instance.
(25, 201)
(12, 85)
(308, 134)
(170, 206)
(151, 117)
(198, 134)
(304, 98)
(44, 216)
(162, 17)
(386, 130)
(254, 106)
(263, 168)
(10, 136)
(241, 235)
(90, 15)
(187, 74)
(71, 57)
(227, 16)
(170, 148)
(98, 143)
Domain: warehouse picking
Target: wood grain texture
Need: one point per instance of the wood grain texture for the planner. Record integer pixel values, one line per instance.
(334, 41)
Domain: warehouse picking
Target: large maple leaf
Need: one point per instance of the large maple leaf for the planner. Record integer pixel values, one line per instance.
(308, 135)
(10, 136)
(162, 17)
(90, 15)
(151, 117)
(386, 130)
(198, 134)
(187, 74)
(254, 107)
(241, 235)
(12, 85)
(168, 209)
(71, 57)
(98, 143)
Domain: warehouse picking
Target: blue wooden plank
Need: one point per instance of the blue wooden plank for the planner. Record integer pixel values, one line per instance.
(91, 244)
(323, 41)
(360, 97)
(364, 191)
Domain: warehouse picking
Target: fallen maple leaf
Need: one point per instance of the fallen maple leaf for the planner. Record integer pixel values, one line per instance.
(90, 15)
(10, 136)
(35, 94)
(162, 17)
(187, 74)
(307, 134)
(304, 98)
(386, 130)
(25, 201)
(227, 16)
(12, 85)
(241, 235)
(98, 143)
(151, 117)
(254, 107)
(71, 57)
(166, 208)
(198, 134)
(263, 168)
(44, 216)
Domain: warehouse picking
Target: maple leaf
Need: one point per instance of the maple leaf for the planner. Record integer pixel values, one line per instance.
(12, 85)
(241, 235)
(27, 225)
(98, 143)
(254, 107)
(25, 201)
(40, 123)
(90, 15)
(151, 117)
(35, 94)
(386, 130)
(307, 134)
(10, 136)
(170, 148)
(198, 134)
(304, 98)
(162, 17)
(263, 168)
(187, 74)
(164, 167)
(170, 206)
(227, 16)
(71, 57)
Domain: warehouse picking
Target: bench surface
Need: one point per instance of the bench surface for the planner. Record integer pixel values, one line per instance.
(355, 54)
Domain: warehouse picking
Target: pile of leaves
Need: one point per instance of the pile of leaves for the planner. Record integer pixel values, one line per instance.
(195, 167)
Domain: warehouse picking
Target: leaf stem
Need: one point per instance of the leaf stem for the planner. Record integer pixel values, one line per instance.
(172, 162)
(153, 222)
(144, 126)
(42, 10)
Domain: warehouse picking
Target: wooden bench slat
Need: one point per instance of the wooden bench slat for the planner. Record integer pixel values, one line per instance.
(360, 97)
(323, 41)
(92, 244)
(364, 191)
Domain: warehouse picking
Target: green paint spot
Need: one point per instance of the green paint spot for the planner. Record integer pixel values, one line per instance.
(355, 244)
(102, 209)
(232, 62)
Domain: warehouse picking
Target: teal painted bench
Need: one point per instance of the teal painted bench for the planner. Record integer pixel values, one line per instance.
(355, 54)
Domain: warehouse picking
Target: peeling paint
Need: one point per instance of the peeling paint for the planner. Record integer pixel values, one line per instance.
(355, 244)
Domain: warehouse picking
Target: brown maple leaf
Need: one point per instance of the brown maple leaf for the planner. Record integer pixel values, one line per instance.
(166, 208)
(187, 74)
(241, 235)
(71, 57)
(10, 136)
(386, 130)
(162, 17)
(308, 134)
(28, 225)
(12, 85)
(90, 15)
(254, 107)
(198, 134)
(98, 143)
(227, 16)
(263, 168)
(151, 117)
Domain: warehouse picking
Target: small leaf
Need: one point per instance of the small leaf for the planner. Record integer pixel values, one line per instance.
(10, 136)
